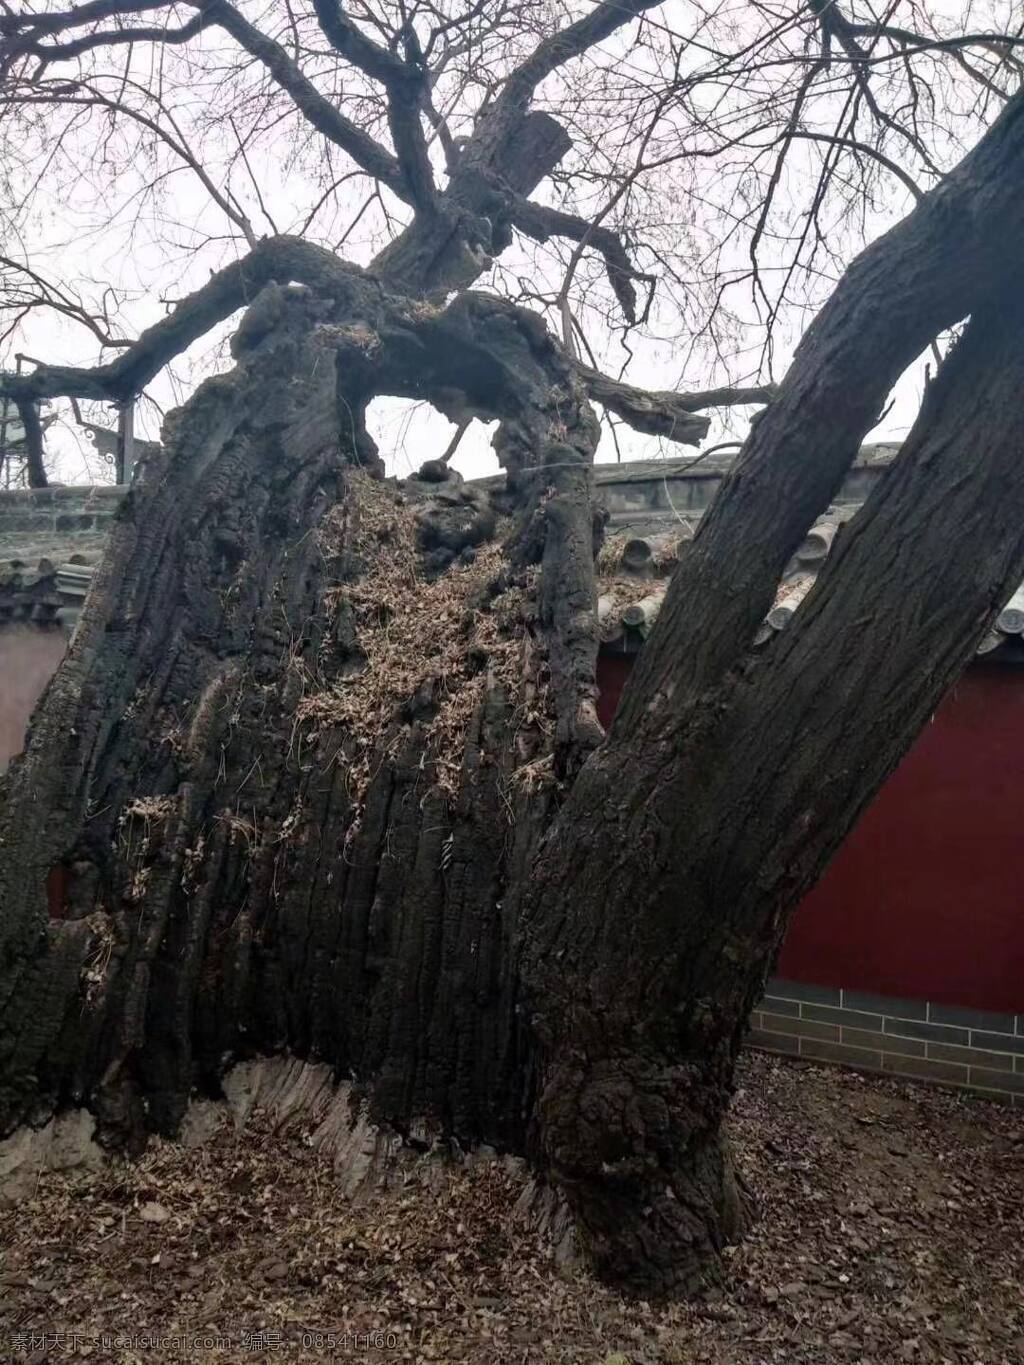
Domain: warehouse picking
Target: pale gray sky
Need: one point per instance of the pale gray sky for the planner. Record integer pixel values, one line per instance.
(153, 233)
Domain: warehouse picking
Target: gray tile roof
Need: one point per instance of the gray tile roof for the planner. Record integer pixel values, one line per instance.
(655, 507)
(51, 540)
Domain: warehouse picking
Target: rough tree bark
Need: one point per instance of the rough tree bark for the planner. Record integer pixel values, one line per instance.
(506, 926)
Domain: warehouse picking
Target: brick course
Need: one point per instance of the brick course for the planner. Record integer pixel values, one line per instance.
(969, 1049)
(31, 517)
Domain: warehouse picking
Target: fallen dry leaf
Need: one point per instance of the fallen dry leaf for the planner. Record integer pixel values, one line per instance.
(266, 1258)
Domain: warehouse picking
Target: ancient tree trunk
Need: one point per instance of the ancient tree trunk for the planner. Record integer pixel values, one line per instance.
(307, 733)
(322, 770)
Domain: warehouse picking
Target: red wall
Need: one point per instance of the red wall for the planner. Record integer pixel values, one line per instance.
(28, 657)
(612, 672)
(926, 897)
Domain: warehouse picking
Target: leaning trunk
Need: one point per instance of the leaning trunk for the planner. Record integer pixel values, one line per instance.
(729, 778)
(657, 908)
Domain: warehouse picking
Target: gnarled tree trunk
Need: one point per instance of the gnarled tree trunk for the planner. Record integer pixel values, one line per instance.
(256, 814)
(210, 846)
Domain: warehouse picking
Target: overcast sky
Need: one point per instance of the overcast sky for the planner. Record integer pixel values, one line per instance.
(154, 246)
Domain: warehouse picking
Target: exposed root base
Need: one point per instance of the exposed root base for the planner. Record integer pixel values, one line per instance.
(65, 1143)
(292, 1094)
(542, 1208)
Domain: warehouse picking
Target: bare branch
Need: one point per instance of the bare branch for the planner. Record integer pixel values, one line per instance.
(568, 43)
(541, 223)
(855, 145)
(44, 294)
(664, 413)
(27, 45)
(321, 113)
(406, 83)
(60, 20)
(999, 43)
(835, 22)
(23, 31)
(733, 92)
(84, 96)
(276, 258)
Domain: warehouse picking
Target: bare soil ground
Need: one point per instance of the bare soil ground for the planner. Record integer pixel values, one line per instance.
(891, 1230)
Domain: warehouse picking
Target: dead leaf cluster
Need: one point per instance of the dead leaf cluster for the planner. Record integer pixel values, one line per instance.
(447, 634)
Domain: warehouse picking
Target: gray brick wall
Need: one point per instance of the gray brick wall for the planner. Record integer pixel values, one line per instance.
(971, 1049)
(45, 516)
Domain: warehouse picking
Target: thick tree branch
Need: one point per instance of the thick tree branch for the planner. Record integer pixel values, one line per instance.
(662, 412)
(60, 20)
(998, 43)
(377, 62)
(540, 223)
(27, 45)
(321, 113)
(533, 147)
(492, 148)
(431, 254)
(570, 42)
(277, 258)
(286, 259)
(406, 83)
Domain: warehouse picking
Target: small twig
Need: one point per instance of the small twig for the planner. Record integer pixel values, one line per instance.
(453, 444)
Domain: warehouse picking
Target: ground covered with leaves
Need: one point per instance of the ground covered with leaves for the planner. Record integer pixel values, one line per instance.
(891, 1229)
